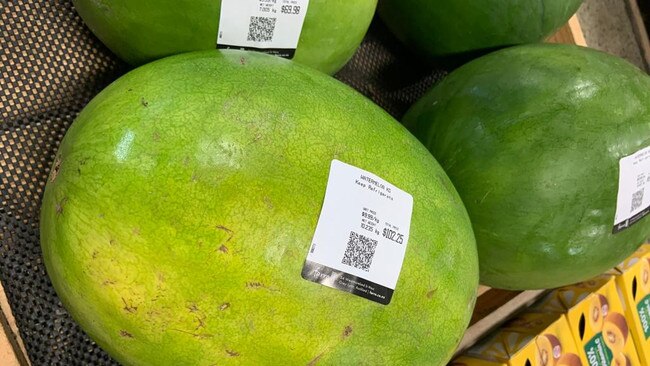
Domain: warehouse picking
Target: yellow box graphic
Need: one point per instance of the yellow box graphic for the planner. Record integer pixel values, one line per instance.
(551, 334)
(597, 321)
(633, 282)
(530, 339)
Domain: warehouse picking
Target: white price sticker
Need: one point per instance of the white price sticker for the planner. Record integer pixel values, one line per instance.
(272, 26)
(361, 235)
(633, 200)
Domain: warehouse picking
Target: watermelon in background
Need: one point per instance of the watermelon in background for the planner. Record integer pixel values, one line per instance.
(531, 137)
(145, 30)
(468, 27)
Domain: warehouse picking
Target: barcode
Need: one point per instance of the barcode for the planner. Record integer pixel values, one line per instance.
(359, 252)
(637, 200)
(260, 29)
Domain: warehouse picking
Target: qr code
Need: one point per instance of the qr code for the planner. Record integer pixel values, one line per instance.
(637, 200)
(261, 29)
(359, 252)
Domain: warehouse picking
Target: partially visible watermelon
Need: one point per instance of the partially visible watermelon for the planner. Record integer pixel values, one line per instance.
(141, 31)
(531, 137)
(453, 27)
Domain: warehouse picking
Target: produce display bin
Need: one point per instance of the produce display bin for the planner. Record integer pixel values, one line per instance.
(50, 67)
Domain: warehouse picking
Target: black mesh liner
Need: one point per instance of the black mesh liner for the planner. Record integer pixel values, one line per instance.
(50, 67)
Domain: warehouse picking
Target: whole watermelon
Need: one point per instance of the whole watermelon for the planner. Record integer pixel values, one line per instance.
(531, 137)
(467, 27)
(140, 31)
(182, 204)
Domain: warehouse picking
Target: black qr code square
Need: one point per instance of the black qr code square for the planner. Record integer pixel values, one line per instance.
(261, 29)
(359, 252)
(637, 200)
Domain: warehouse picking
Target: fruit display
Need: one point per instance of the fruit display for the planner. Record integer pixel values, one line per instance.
(312, 182)
(532, 138)
(467, 27)
(145, 30)
(183, 201)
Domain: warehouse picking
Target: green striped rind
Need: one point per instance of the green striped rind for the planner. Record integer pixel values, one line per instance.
(452, 27)
(531, 137)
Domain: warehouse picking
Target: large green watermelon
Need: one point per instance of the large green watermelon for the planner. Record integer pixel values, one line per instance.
(457, 27)
(182, 204)
(531, 137)
(139, 31)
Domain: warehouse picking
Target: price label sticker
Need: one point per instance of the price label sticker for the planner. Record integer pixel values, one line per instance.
(632, 202)
(361, 236)
(270, 26)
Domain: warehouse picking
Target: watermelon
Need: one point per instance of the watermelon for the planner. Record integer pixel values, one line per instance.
(182, 204)
(145, 30)
(532, 136)
(447, 28)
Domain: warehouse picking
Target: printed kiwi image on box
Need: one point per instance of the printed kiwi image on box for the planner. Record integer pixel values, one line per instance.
(633, 285)
(597, 320)
(529, 339)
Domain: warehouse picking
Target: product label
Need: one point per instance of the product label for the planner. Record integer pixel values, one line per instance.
(598, 354)
(643, 308)
(632, 204)
(361, 235)
(271, 26)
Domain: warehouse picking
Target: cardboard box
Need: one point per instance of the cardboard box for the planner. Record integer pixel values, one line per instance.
(469, 361)
(491, 348)
(530, 339)
(551, 335)
(633, 282)
(596, 316)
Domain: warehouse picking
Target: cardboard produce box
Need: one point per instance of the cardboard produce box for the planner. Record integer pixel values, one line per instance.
(597, 320)
(633, 283)
(530, 339)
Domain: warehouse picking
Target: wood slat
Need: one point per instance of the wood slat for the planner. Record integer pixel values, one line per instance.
(12, 348)
(492, 309)
(570, 33)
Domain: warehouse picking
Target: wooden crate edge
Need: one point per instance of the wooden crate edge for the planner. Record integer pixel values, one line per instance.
(493, 298)
(570, 33)
(12, 348)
